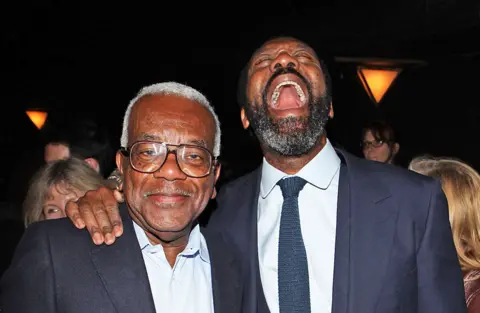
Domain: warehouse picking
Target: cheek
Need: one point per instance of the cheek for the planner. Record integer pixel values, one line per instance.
(318, 84)
(133, 188)
(385, 150)
(256, 86)
(204, 192)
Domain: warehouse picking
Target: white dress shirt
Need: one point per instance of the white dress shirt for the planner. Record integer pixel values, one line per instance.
(318, 219)
(185, 288)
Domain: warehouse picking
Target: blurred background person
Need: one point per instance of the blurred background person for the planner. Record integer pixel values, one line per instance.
(82, 138)
(54, 185)
(378, 142)
(461, 184)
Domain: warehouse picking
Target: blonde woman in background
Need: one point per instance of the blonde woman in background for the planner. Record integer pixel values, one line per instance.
(461, 184)
(54, 185)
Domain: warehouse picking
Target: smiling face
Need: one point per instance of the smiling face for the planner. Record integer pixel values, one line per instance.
(167, 202)
(288, 103)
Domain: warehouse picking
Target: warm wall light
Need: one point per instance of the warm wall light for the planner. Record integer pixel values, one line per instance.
(377, 81)
(38, 118)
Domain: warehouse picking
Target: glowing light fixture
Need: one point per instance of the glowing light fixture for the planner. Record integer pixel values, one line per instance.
(376, 81)
(37, 117)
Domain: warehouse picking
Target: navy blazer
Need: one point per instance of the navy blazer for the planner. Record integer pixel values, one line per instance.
(394, 249)
(57, 268)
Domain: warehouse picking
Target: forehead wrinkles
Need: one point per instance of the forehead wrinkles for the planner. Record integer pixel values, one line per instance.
(156, 118)
(283, 44)
(171, 126)
(286, 44)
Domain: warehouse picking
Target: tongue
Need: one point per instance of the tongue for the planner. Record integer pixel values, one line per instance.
(288, 99)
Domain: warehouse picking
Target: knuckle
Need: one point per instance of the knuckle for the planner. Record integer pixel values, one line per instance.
(84, 208)
(90, 194)
(106, 229)
(94, 229)
(111, 209)
(98, 211)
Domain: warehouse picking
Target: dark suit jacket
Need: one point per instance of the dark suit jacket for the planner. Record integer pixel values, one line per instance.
(57, 268)
(394, 249)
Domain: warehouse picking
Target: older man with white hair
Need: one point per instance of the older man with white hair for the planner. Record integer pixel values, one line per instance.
(170, 144)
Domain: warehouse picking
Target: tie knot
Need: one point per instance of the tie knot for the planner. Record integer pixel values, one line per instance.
(291, 186)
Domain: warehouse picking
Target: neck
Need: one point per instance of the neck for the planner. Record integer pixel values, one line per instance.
(173, 243)
(292, 165)
(171, 248)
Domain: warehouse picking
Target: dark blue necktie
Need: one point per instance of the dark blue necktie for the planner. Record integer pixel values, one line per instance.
(293, 283)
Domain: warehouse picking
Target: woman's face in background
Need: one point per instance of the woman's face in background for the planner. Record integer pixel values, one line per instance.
(375, 150)
(57, 199)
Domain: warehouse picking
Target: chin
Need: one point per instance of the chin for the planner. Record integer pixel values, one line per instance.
(169, 236)
(168, 219)
(165, 224)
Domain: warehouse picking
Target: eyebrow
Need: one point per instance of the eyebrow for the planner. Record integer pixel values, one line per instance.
(197, 142)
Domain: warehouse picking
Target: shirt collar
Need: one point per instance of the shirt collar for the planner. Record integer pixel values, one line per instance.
(319, 172)
(196, 243)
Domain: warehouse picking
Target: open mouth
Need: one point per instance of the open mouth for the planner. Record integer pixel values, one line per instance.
(287, 95)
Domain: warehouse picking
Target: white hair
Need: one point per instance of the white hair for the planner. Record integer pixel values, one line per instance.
(177, 89)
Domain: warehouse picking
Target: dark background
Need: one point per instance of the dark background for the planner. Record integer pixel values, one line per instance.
(90, 58)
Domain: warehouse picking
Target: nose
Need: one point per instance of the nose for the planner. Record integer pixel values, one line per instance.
(170, 169)
(283, 60)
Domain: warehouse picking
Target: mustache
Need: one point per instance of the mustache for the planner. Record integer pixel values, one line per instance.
(282, 71)
(168, 191)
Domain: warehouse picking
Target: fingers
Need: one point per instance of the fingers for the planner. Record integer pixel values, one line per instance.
(118, 196)
(73, 214)
(111, 223)
(86, 205)
(98, 211)
(95, 209)
(116, 220)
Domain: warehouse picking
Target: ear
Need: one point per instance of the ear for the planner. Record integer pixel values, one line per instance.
(330, 114)
(243, 117)
(217, 175)
(119, 161)
(93, 163)
(396, 148)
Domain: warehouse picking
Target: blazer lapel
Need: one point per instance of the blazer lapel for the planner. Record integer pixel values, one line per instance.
(226, 280)
(242, 233)
(122, 271)
(371, 229)
(342, 245)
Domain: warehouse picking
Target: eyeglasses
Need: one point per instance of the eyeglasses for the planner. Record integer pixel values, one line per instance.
(374, 143)
(149, 157)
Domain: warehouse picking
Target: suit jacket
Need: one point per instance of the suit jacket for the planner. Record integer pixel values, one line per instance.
(394, 249)
(57, 268)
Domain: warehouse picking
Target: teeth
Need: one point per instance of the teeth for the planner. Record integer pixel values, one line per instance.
(276, 92)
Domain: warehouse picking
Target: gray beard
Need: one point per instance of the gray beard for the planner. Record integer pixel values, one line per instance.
(290, 136)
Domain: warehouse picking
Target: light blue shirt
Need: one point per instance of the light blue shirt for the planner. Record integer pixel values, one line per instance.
(318, 219)
(185, 288)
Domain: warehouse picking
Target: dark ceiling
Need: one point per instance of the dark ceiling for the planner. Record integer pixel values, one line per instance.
(74, 53)
(93, 56)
